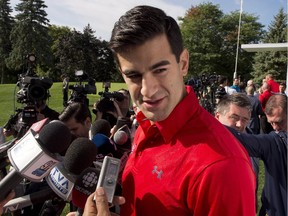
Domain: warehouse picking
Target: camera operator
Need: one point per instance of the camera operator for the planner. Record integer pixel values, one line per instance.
(33, 93)
(42, 111)
(65, 88)
(113, 105)
(80, 90)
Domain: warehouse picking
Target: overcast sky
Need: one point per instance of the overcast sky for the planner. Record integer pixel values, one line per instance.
(102, 14)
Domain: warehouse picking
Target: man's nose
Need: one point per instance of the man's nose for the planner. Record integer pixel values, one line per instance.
(149, 85)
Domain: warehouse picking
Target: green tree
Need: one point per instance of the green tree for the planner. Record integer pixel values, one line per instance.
(6, 23)
(251, 31)
(273, 62)
(83, 51)
(56, 33)
(30, 36)
(211, 39)
(200, 28)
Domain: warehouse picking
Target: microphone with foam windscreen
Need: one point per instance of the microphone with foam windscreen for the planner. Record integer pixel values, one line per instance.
(84, 186)
(79, 156)
(35, 155)
(100, 133)
(105, 146)
(101, 126)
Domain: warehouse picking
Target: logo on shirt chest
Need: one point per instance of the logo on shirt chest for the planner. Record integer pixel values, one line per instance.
(158, 172)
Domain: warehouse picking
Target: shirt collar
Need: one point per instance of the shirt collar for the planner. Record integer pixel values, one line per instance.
(181, 114)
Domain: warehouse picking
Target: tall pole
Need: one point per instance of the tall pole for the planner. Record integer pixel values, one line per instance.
(238, 40)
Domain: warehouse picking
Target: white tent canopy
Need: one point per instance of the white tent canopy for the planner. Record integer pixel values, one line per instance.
(265, 47)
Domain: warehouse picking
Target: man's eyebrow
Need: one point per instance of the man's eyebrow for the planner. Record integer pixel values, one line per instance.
(159, 64)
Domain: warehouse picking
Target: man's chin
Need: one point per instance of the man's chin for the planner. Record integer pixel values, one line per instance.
(155, 116)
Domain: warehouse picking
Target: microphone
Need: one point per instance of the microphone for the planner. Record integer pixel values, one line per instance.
(84, 186)
(104, 145)
(35, 155)
(80, 155)
(101, 126)
(28, 200)
(122, 136)
(37, 126)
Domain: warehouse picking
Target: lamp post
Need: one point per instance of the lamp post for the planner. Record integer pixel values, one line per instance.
(238, 40)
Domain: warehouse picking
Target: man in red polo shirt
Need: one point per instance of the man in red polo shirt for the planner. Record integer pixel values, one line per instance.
(183, 161)
(273, 85)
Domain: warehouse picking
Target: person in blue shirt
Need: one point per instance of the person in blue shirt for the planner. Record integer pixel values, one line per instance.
(235, 85)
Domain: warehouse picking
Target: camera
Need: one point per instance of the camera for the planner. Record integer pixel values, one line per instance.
(109, 95)
(105, 104)
(80, 90)
(32, 90)
(205, 88)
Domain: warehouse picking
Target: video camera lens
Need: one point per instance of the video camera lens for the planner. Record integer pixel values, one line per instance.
(37, 92)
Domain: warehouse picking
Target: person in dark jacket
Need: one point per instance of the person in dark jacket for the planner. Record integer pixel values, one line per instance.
(272, 149)
(256, 112)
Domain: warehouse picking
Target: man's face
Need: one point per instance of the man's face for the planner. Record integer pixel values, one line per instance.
(281, 88)
(236, 117)
(78, 129)
(236, 82)
(278, 119)
(153, 77)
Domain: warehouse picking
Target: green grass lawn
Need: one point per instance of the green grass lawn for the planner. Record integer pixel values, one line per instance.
(8, 105)
(8, 98)
(8, 102)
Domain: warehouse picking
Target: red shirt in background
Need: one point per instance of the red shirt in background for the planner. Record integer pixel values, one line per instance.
(274, 86)
(263, 98)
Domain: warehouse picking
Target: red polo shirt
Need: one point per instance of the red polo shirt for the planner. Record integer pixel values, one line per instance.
(263, 98)
(188, 164)
(274, 86)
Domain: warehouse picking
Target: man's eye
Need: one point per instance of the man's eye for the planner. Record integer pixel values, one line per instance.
(133, 76)
(234, 118)
(160, 70)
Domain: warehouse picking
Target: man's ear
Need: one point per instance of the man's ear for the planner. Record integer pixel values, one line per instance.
(217, 115)
(184, 62)
(88, 122)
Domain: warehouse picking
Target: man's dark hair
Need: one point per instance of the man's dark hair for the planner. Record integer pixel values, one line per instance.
(238, 99)
(223, 79)
(142, 23)
(276, 101)
(76, 110)
(283, 84)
